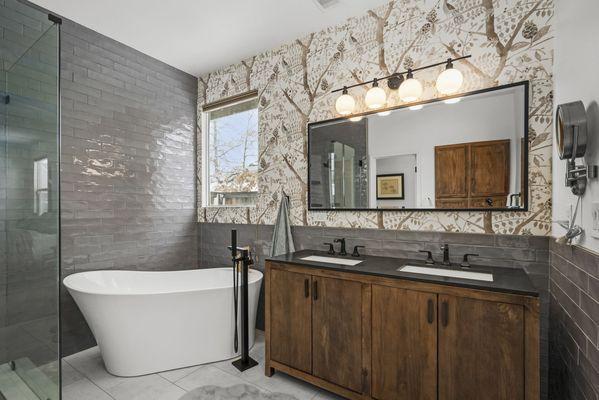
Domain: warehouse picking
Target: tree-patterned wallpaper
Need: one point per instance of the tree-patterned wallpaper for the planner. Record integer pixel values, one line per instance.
(510, 41)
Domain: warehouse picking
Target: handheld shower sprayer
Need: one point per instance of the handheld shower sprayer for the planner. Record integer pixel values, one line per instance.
(572, 230)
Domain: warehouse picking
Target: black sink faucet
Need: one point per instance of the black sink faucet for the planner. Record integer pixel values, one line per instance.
(342, 252)
(445, 249)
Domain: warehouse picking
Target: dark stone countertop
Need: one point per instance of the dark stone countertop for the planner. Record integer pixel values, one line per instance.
(505, 279)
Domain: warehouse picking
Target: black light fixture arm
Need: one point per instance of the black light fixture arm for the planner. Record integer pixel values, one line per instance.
(412, 70)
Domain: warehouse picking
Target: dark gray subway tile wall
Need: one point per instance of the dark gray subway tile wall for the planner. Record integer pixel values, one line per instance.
(128, 164)
(574, 332)
(530, 253)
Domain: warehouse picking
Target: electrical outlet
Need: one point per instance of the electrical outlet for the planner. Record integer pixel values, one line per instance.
(595, 215)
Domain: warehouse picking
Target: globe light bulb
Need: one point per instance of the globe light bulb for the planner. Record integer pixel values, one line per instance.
(450, 81)
(410, 89)
(345, 104)
(376, 96)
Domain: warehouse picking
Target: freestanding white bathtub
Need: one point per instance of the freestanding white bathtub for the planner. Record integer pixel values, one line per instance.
(146, 322)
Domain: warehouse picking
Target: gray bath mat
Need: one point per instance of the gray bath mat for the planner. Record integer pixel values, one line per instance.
(237, 392)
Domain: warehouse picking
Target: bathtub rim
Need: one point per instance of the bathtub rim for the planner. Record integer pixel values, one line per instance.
(156, 293)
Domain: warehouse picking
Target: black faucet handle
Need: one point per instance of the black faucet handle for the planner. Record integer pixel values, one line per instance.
(429, 257)
(356, 253)
(465, 263)
(331, 248)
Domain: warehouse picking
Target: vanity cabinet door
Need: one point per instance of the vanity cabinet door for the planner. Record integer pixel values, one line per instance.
(404, 344)
(337, 331)
(291, 319)
(481, 349)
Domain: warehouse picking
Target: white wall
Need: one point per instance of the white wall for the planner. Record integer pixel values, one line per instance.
(576, 77)
(483, 117)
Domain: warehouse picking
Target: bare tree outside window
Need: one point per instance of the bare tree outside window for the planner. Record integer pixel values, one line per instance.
(232, 143)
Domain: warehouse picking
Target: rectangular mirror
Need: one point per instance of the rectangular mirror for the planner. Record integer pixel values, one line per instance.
(462, 153)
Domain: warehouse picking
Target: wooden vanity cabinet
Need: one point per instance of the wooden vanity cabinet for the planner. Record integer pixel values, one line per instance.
(337, 331)
(404, 344)
(369, 337)
(481, 349)
(291, 319)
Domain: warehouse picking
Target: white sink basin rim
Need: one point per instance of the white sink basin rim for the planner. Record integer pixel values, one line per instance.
(450, 273)
(332, 260)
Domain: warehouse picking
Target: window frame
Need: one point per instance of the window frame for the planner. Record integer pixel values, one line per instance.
(205, 153)
(37, 191)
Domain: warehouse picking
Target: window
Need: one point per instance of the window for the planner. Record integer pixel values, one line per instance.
(230, 149)
(40, 186)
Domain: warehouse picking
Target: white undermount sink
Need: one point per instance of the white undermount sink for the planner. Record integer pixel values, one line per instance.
(332, 260)
(451, 273)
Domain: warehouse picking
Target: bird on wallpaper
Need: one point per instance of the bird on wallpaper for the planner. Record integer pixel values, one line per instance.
(286, 66)
(356, 43)
(452, 12)
(448, 8)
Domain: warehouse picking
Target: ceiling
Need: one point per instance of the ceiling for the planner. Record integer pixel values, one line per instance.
(199, 36)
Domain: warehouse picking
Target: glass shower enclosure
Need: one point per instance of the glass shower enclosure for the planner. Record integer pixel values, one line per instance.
(29, 204)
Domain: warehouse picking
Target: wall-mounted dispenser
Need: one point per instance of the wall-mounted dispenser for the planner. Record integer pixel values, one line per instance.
(572, 137)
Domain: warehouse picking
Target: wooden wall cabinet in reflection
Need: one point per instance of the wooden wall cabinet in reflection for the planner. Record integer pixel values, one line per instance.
(472, 175)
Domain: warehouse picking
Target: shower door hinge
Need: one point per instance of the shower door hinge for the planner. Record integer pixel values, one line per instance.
(55, 19)
(6, 99)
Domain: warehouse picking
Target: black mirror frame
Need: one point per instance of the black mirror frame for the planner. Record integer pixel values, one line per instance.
(525, 208)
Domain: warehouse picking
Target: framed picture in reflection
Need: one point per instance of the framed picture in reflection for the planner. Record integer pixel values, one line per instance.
(389, 187)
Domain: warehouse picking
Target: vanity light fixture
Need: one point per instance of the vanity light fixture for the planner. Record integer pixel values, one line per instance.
(345, 104)
(356, 119)
(410, 89)
(416, 107)
(453, 101)
(384, 113)
(376, 96)
(395, 81)
(449, 81)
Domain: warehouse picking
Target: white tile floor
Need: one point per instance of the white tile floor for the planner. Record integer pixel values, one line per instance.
(84, 378)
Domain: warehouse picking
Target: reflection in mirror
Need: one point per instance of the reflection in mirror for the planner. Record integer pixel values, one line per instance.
(467, 153)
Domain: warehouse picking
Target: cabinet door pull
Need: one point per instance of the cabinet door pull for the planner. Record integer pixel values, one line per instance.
(307, 288)
(315, 290)
(430, 311)
(444, 313)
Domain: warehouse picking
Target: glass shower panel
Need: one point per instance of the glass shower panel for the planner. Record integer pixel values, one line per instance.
(29, 228)
(341, 175)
